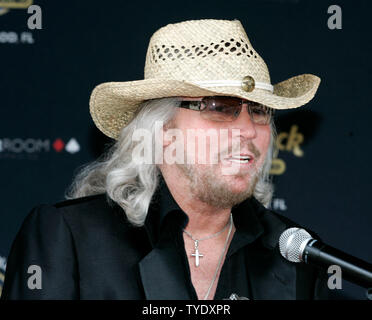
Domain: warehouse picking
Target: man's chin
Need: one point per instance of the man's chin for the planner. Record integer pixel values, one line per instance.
(241, 183)
(233, 191)
(241, 180)
(218, 190)
(240, 187)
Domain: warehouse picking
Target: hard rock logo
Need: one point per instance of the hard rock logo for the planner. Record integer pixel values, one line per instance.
(286, 141)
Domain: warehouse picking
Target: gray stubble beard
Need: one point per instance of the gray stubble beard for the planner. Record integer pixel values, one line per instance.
(210, 190)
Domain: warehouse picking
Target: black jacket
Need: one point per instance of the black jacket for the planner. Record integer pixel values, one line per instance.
(87, 249)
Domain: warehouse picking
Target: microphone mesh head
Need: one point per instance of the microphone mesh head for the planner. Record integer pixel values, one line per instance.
(292, 242)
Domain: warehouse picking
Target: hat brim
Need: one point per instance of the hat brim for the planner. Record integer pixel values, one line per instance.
(113, 104)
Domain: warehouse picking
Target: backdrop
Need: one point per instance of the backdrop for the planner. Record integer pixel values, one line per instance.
(321, 172)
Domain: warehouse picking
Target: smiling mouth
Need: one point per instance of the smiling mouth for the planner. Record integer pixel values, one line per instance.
(240, 159)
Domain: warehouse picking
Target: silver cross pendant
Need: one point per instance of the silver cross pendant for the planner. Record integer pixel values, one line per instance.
(196, 254)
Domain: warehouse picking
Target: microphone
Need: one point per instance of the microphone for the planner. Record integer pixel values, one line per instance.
(297, 245)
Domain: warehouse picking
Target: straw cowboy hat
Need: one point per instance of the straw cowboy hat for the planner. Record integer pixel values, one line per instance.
(198, 58)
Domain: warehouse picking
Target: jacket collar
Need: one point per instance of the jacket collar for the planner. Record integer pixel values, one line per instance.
(162, 204)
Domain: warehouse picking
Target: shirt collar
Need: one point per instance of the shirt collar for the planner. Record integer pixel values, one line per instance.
(246, 216)
(162, 204)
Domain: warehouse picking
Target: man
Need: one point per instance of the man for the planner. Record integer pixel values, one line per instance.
(165, 229)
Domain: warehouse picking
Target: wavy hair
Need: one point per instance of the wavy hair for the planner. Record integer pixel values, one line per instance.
(132, 184)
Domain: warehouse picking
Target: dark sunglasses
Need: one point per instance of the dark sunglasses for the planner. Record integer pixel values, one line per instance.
(222, 108)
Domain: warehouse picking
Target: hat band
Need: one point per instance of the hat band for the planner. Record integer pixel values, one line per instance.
(233, 83)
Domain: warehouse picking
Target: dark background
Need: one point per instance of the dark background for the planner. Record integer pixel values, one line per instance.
(45, 88)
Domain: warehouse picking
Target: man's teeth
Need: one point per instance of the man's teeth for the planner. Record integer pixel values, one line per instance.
(240, 159)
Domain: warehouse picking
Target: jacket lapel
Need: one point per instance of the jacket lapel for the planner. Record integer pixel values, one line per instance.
(162, 270)
(162, 276)
(270, 275)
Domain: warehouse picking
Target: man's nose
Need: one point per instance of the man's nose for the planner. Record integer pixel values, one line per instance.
(245, 124)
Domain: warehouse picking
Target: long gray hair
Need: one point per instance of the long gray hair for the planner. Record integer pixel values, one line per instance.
(132, 184)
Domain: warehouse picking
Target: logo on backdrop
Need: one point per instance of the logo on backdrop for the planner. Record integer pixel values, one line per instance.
(12, 148)
(285, 142)
(2, 272)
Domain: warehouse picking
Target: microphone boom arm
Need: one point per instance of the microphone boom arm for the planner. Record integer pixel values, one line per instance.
(353, 269)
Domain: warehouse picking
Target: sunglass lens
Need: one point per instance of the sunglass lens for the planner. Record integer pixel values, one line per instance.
(260, 114)
(222, 108)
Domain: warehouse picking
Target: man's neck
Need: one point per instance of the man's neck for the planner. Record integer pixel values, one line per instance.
(204, 219)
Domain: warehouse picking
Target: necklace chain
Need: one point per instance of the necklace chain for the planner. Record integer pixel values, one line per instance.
(210, 236)
(220, 260)
(222, 254)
